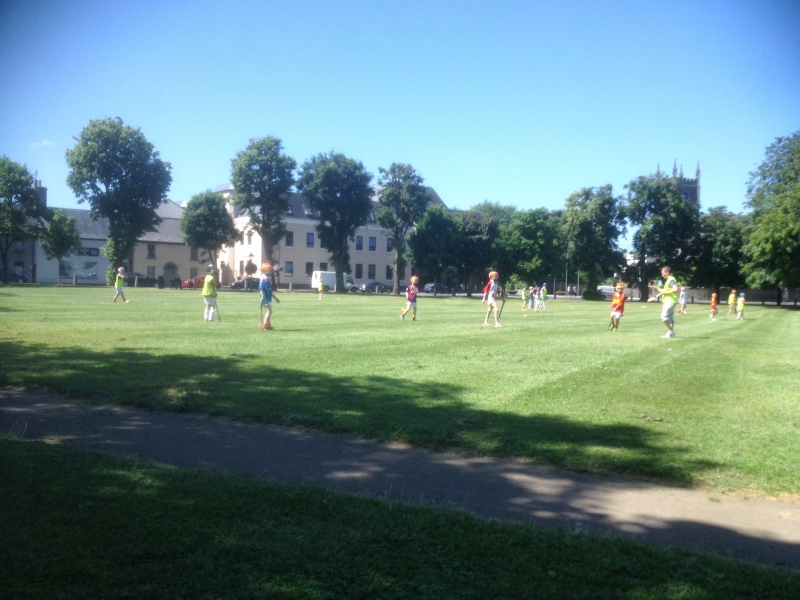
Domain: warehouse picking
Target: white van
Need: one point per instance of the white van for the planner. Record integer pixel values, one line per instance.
(328, 279)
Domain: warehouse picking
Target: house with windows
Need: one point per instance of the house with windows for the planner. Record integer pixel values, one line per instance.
(299, 253)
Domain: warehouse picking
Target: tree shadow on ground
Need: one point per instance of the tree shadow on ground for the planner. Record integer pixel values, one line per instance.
(428, 415)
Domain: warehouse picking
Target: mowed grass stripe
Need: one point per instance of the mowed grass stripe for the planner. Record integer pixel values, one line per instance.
(716, 407)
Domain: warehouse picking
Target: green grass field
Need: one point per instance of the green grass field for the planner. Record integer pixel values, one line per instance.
(81, 525)
(718, 407)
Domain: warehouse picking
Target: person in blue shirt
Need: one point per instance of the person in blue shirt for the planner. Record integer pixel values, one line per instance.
(267, 295)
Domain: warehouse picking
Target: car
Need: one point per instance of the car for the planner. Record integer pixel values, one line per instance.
(245, 283)
(144, 280)
(190, 284)
(375, 286)
(606, 290)
(15, 278)
(436, 288)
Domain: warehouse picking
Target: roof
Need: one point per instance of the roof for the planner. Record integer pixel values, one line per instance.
(168, 232)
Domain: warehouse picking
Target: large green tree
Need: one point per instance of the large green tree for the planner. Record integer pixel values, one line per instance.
(667, 227)
(434, 245)
(592, 224)
(116, 170)
(338, 188)
(477, 250)
(501, 213)
(401, 203)
(262, 176)
(531, 247)
(773, 247)
(207, 224)
(23, 211)
(61, 238)
(718, 253)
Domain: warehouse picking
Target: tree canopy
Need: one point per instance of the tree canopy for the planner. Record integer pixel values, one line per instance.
(116, 170)
(718, 254)
(477, 251)
(339, 189)
(773, 248)
(207, 224)
(402, 202)
(23, 212)
(531, 247)
(434, 245)
(61, 237)
(262, 176)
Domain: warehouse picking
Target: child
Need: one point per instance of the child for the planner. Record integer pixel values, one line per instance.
(120, 281)
(321, 289)
(740, 306)
(617, 306)
(490, 293)
(209, 294)
(411, 299)
(682, 301)
(731, 301)
(531, 295)
(713, 305)
(265, 288)
(524, 297)
(543, 296)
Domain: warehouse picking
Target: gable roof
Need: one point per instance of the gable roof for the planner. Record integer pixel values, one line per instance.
(168, 232)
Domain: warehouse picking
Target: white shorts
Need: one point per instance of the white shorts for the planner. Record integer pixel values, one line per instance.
(616, 315)
(267, 304)
(668, 312)
(118, 288)
(210, 300)
(411, 305)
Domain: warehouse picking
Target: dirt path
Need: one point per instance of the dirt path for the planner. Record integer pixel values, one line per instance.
(751, 529)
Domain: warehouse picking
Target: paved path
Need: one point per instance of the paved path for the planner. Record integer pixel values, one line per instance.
(751, 529)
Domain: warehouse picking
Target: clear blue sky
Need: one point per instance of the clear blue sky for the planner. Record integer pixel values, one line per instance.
(520, 103)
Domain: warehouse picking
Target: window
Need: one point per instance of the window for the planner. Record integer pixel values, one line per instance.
(309, 269)
(249, 239)
(360, 243)
(290, 239)
(241, 267)
(323, 266)
(151, 272)
(370, 271)
(19, 246)
(193, 254)
(359, 271)
(389, 244)
(373, 244)
(192, 272)
(309, 240)
(151, 250)
(388, 272)
(288, 269)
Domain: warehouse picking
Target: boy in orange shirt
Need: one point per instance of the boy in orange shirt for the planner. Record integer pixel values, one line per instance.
(713, 306)
(617, 306)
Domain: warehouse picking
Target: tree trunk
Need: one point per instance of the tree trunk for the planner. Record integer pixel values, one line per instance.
(779, 296)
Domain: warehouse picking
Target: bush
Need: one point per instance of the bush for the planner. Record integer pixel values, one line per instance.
(592, 295)
(161, 282)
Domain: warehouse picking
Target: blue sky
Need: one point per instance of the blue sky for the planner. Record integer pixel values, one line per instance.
(520, 103)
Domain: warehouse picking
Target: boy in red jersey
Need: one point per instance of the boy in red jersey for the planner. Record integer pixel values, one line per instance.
(617, 306)
(490, 295)
(411, 299)
(713, 306)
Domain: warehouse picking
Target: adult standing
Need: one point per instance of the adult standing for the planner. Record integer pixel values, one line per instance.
(669, 298)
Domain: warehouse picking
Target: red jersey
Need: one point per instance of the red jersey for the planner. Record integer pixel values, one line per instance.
(618, 302)
(713, 301)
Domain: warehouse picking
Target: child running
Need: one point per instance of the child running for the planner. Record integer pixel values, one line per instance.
(731, 301)
(209, 294)
(531, 295)
(118, 283)
(321, 288)
(543, 296)
(490, 293)
(713, 306)
(682, 301)
(265, 288)
(411, 299)
(740, 306)
(617, 307)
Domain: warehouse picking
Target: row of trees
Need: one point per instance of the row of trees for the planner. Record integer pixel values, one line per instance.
(118, 172)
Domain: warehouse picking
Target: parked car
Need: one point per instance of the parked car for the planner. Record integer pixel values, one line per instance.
(375, 286)
(436, 288)
(144, 280)
(14, 277)
(606, 290)
(190, 284)
(245, 283)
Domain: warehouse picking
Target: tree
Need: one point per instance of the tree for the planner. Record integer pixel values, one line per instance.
(668, 227)
(61, 238)
(339, 189)
(23, 211)
(207, 224)
(115, 169)
(592, 225)
(433, 246)
(262, 177)
(718, 254)
(476, 253)
(504, 215)
(773, 248)
(401, 204)
(531, 247)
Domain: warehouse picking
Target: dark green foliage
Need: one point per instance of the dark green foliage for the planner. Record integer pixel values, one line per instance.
(23, 212)
(531, 246)
(207, 224)
(339, 189)
(61, 237)
(718, 252)
(116, 170)
(262, 177)
(478, 237)
(434, 245)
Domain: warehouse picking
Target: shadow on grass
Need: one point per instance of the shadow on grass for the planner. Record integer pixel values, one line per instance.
(429, 415)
